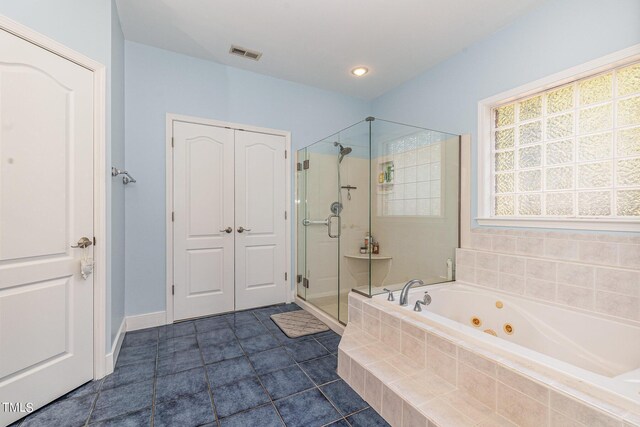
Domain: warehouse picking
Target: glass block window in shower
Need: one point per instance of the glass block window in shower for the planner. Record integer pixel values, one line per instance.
(410, 176)
(572, 151)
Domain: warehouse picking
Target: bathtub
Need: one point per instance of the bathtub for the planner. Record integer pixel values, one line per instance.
(599, 353)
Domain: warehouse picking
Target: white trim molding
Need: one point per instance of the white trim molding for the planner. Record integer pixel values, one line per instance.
(465, 190)
(599, 224)
(99, 179)
(147, 320)
(112, 358)
(171, 118)
(484, 215)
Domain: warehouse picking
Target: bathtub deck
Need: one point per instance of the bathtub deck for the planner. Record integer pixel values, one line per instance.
(415, 374)
(412, 396)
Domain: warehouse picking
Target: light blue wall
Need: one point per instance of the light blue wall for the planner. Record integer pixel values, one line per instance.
(86, 27)
(160, 82)
(117, 188)
(556, 36)
(82, 25)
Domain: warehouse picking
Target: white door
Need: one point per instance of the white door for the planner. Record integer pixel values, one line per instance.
(260, 219)
(203, 229)
(46, 205)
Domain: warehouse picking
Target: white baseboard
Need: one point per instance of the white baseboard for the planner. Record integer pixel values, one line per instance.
(112, 357)
(147, 320)
(336, 326)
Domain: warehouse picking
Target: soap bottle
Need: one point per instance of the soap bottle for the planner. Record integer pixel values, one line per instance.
(376, 247)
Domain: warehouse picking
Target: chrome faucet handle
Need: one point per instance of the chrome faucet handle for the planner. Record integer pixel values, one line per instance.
(425, 301)
(427, 298)
(390, 297)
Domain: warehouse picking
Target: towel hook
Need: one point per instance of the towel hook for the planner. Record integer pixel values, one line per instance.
(126, 178)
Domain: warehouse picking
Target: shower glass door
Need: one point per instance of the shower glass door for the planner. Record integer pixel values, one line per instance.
(322, 227)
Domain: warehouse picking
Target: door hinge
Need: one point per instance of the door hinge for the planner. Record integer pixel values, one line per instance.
(173, 289)
(299, 278)
(305, 283)
(286, 276)
(285, 214)
(94, 240)
(285, 154)
(173, 216)
(299, 167)
(305, 164)
(172, 142)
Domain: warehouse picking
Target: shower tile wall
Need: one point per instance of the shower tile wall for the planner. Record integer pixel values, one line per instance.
(598, 273)
(415, 219)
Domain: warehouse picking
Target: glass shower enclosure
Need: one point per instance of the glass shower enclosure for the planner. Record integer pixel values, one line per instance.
(377, 206)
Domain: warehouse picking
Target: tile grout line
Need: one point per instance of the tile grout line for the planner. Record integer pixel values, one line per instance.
(206, 376)
(93, 405)
(100, 390)
(256, 372)
(310, 379)
(155, 383)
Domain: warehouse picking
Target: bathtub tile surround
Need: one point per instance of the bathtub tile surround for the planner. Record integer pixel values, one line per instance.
(435, 378)
(597, 273)
(229, 370)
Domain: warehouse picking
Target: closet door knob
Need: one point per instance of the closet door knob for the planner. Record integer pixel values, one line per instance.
(241, 229)
(227, 230)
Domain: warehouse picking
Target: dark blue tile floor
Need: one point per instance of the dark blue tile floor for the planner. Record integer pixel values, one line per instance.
(232, 370)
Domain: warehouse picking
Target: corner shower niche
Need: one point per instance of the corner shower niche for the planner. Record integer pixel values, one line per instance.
(393, 185)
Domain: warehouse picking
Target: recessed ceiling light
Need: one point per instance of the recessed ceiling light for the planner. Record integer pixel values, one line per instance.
(359, 71)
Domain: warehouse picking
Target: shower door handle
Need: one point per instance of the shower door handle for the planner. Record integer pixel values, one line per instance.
(330, 225)
(308, 222)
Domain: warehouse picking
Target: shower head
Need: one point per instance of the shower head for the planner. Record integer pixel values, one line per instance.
(343, 151)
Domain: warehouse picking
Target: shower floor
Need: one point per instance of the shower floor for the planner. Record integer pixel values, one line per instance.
(330, 305)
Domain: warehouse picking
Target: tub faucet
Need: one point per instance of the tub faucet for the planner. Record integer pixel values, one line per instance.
(404, 295)
(425, 301)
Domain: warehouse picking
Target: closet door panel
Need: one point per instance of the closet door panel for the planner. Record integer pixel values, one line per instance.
(204, 209)
(259, 217)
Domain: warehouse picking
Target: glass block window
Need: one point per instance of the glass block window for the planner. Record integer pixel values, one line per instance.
(410, 176)
(571, 151)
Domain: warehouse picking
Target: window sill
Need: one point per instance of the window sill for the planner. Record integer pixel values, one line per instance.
(600, 224)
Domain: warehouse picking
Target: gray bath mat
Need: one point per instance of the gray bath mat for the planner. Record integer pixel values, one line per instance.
(298, 323)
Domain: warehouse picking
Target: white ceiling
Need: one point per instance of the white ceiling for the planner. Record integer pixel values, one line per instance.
(318, 42)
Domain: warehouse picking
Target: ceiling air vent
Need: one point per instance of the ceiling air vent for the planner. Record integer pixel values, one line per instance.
(240, 51)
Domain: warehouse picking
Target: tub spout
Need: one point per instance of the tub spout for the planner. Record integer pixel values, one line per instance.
(404, 295)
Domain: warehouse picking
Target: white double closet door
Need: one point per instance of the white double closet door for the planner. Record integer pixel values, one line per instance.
(229, 219)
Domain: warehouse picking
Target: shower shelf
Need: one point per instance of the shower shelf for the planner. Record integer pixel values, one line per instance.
(386, 186)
